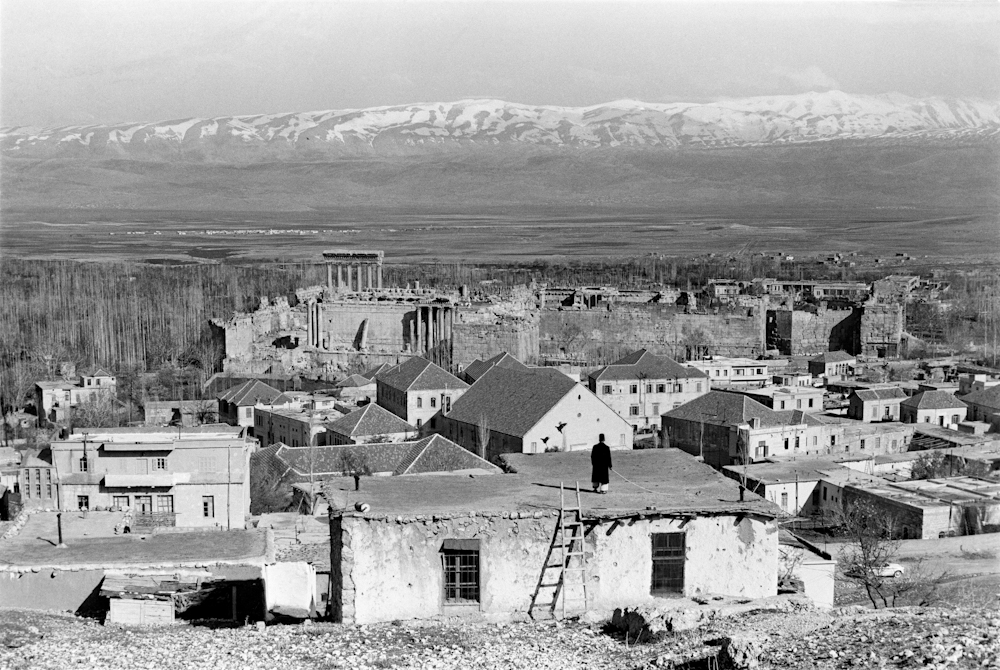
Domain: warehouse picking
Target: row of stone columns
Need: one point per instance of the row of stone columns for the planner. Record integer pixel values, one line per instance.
(431, 324)
(360, 276)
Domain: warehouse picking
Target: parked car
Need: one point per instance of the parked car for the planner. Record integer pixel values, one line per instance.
(884, 570)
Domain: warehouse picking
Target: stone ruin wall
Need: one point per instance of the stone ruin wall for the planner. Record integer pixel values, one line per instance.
(388, 325)
(808, 332)
(881, 329)
(481, 335)
(605, 334)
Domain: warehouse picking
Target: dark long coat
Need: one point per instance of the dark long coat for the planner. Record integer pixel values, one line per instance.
(600, 458)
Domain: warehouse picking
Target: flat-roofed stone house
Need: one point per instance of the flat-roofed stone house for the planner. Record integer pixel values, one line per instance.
(488, 546)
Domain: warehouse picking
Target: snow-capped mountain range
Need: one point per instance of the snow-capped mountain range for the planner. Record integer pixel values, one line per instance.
(762, 121)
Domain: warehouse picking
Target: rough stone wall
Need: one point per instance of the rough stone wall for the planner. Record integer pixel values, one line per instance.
(391, 567)
(388, 325)
(605, 334)
(807, 332)
(482, 334)
(881, 330)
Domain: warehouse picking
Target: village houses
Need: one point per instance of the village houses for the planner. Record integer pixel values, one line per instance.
(55, 400)
(186, 477)
(875, 404)
(937, 407)
(508, 411)
(417, 389)
(642, 385)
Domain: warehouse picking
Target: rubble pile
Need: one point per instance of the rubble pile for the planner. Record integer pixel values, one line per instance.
(845, 638)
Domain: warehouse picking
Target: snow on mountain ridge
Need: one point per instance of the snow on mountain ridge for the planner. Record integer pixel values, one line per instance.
(735, 122)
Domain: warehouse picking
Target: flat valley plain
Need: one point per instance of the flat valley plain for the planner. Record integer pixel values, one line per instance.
(498, 234)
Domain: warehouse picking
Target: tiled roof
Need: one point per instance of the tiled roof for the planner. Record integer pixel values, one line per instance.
(933, 400)
(354, 381)
(328, 461)
(797, 416)
(513, 402)
(642, 364)
(376, 371)
(892, 393)
(419, 374)
(988, 397)
(431, 454)
(370, 420)
(478, 368)
(728, 409)
(833, 357)
(438, 454)
(99, 372)
(254, 392)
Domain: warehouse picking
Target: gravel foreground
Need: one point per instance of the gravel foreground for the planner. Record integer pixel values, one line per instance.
(843, 638)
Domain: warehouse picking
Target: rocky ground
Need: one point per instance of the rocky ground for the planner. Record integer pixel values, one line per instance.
(804, 638)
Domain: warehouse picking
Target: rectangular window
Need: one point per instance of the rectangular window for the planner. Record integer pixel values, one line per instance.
(447, 404)
(120, 502)
(798, 403)
(661, 388)
(954, 418)
(815, 440)
(159, 463)
(38, 490)
(208, 507)
(887, 411)
(649, 388)
(833, 440)
(862, 444)
(84, 466)
(786, 443)
(607, 389)
(784, 501)
(248, 412)
(419, 422)
(165, 504)
(894, 444)
(633, 410)
(634, 388)
(420, 403)
(815, 496)
(796, 441)
(460, 563)
(738, 372)
(48, 476)
(668, 563)
(48, 490)
(782, 404)
(697, 387)
(83, 502)
(810, 402)
(433, 402)
(656, 409)
(878, 442)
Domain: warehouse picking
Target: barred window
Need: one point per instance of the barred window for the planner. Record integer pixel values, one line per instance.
(668, 563)
(460, 562)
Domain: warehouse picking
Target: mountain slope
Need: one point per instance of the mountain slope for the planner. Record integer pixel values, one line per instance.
(812, 149)
(779, 120)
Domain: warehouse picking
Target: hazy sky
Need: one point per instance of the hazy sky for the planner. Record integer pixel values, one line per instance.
(102, 61)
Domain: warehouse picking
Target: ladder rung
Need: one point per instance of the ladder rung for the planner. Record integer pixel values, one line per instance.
(574, 553)
(577, 569)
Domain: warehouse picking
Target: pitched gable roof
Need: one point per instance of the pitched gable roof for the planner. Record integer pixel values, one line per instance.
(439, 454)
(376, 371)
(933, 400)
(987, 397)
(99, 372)
(253, 392)
(891, 393)
(478, 368)
(642, 364)
(833, 357)
(354, 381)
(419, 374)
(370, 420)
(513, 402)
(728, 409)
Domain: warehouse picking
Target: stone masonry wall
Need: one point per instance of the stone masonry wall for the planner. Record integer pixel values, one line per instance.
(881, 331)
(603, 335)
(390, 567)
(808, 332)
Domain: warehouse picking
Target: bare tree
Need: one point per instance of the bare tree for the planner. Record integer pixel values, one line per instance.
(269, 492)
(871, 533)
(483, 435)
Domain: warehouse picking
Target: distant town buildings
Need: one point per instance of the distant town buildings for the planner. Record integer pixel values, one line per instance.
(55, 400)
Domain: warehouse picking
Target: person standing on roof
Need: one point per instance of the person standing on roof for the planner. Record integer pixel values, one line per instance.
(600, 459)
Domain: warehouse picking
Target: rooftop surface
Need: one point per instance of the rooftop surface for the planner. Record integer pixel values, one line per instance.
(668, 480)
(805, 470)
(91, 541)
(140, 433)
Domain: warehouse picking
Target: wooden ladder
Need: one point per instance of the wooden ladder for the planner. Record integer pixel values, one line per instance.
(572, 545)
